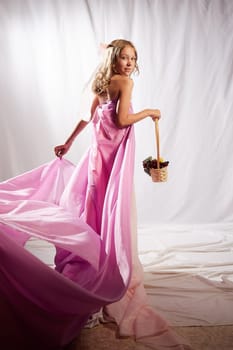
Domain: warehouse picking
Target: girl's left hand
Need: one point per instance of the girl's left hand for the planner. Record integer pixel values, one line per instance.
(156, 114)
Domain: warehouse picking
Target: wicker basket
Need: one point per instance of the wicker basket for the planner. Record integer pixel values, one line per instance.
(159, 174)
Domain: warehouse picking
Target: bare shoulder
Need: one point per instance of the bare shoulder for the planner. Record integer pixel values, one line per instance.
(120, 85)
(122, 82)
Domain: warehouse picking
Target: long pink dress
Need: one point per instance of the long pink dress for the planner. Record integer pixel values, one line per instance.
(86, 212)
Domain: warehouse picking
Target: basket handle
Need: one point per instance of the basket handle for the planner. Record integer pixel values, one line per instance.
(157, 141)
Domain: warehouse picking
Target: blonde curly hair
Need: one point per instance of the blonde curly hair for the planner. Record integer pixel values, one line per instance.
(106, 68)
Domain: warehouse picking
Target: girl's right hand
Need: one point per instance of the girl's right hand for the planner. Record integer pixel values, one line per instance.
(61, 150)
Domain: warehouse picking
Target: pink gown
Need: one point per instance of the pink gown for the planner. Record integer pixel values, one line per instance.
(86, 212)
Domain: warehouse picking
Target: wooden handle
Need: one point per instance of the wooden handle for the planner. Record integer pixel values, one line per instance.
(157, 141)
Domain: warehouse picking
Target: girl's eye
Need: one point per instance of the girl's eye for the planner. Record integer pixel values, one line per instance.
(131, 58)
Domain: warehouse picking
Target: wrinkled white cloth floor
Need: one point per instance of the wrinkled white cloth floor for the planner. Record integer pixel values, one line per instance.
(188, 271)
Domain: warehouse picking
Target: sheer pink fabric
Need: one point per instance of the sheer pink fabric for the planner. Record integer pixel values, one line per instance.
(85, 211)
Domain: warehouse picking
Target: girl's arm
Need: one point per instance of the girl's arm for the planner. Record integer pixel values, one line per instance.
(63, 149)
(123, 117)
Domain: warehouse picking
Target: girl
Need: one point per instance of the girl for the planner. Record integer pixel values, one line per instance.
(87, 211)
(113, 118)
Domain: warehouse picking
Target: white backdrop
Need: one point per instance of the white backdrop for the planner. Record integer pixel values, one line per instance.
(48, 50)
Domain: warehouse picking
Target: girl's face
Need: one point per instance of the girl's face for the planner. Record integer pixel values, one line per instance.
(126, 61)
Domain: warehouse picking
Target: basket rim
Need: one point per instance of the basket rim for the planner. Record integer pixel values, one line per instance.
(159, 169)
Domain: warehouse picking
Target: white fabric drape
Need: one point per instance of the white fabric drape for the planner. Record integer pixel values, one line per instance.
(49, 49)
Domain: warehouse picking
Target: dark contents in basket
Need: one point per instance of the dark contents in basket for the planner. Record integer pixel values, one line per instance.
(150, 163)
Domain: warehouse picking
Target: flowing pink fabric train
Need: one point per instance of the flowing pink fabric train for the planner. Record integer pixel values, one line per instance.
(85, 211)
